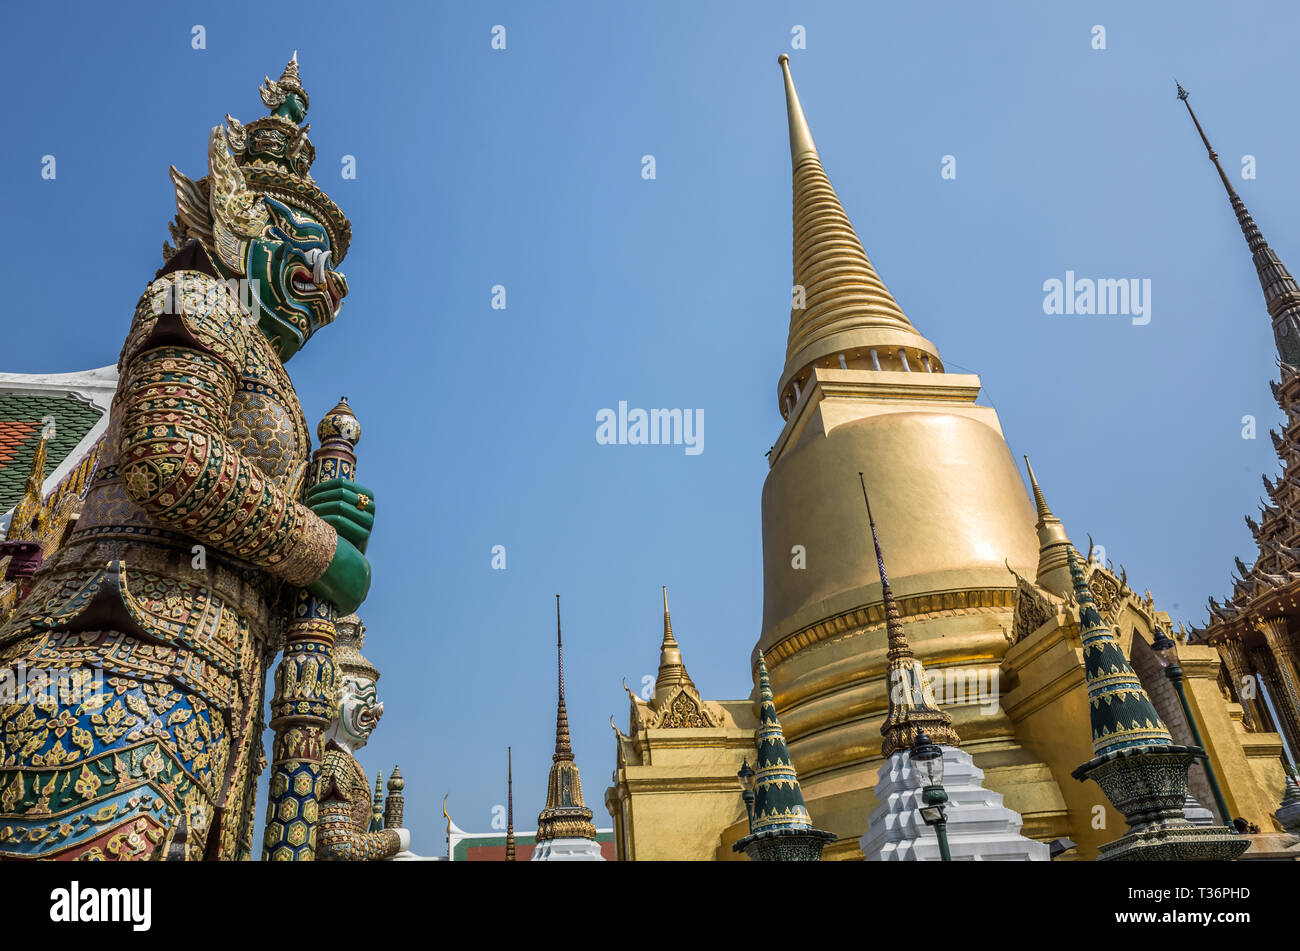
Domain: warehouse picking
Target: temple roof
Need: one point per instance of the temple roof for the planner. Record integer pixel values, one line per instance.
(77, 403)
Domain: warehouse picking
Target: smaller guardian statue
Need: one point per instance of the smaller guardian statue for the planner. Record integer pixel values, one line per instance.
(346, 806)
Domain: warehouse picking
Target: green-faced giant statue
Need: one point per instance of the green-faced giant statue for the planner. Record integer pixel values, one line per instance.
(198, 535)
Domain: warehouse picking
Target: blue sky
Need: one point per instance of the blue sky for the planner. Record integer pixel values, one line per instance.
(522, 168)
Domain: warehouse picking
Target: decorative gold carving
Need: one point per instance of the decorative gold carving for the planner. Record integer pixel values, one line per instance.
(684, 709)
(1105, 591)
(918, 607)
(1032, 612)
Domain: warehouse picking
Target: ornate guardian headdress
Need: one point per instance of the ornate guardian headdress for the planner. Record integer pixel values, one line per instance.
(349, 638)
(271, 157)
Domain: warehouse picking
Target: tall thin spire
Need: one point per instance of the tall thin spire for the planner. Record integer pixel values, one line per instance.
(912, 706)
(801, 140)
(510, 807)
(1281, 292)
(1053, 545)
(563, 746)
(565, 815)
(841, 305)
(672, 671)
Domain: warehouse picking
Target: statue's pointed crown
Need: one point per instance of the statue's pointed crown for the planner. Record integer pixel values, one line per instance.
(349, 639)
(276, 155)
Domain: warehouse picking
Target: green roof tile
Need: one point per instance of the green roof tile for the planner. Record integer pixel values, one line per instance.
(21, 420)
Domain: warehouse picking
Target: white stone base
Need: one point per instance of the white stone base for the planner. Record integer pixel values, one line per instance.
(567, 850)
(980, 828)
(1197, 814)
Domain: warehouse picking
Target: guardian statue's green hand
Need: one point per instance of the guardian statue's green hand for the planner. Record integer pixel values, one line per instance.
(349, 509)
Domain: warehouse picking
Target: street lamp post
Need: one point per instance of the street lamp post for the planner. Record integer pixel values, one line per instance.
(746, 776)
(1166, 650)
(927, 759)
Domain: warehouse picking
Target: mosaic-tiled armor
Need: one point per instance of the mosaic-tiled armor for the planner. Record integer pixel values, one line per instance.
(163, 610)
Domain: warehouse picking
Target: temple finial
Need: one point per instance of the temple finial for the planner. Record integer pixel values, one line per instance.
(801, 140)
(1040, 503)
(898, 646)
(563, 745)
(1053, 544)
(565, 815)
(1281, 292)
(839, 304)
(510, 806)
(912, 705)
(1209, 149)
(672, 670)
(668, 622)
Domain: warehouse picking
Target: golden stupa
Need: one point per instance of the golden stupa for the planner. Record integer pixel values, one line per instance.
(978, 572)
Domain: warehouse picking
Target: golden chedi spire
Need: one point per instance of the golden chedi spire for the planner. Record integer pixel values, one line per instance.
(840, 306)
(1053, 545)
(672, 671)
(676, 703)
(566, 816)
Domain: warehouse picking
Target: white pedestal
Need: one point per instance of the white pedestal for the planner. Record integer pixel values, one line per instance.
(567, 850)
(980, 828)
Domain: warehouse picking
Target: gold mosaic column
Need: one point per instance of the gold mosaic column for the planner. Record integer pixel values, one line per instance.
(1237, 659)
(1287, 696)
(1288, 723)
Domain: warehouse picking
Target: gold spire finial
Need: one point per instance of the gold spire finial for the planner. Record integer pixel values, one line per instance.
(668, 621)
(1053, 545)
(912, 705)
(840, 305)
(672, 670)
(1040, 503)
(801, 140)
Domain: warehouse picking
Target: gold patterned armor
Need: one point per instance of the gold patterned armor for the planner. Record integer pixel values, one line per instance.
(345, 813)
(163, 605)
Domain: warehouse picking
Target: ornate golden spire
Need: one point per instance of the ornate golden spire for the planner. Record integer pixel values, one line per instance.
(846, 308)
(563, 746)
(801, 140)
(672, 671)
(1281, 292)
(1053, 545)
(912, 706)
(565, 815)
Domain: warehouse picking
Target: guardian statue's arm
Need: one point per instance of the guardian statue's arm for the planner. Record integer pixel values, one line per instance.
(180, 373)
